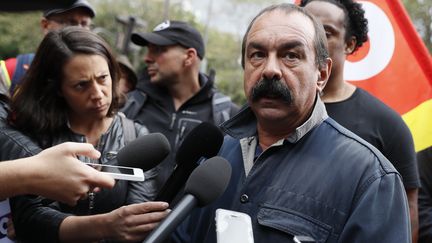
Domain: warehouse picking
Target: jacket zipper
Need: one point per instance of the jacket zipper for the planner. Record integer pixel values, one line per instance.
(173, 119)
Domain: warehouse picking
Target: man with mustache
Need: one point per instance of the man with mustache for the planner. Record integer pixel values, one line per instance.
(296, 172)
(354, 108)
(173, 96)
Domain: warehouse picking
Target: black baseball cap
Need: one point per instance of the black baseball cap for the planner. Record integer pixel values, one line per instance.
(76, 4)
(172, 32)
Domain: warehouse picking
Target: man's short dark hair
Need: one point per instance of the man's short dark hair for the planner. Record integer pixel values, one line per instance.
(320, 41)
(356, 23)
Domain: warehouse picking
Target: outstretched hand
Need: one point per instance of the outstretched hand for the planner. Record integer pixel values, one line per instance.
(132, 223)
(56, 173)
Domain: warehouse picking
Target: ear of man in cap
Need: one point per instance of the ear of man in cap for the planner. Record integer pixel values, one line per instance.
(77, 4)
(172, 32)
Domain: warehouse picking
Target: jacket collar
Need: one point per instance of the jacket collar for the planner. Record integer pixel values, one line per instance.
(243, 124)
(160, 93)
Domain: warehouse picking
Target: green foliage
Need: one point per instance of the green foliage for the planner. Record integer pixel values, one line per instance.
(420, 12)
(223, 55)
(20, 33)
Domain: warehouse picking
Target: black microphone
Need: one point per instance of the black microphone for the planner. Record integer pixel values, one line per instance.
(204, 140)
(206, 183)
(144, 152)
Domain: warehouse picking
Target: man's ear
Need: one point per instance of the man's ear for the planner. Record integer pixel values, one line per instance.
(191, 55)
(350, 45)
(323, 75)
(44, 23)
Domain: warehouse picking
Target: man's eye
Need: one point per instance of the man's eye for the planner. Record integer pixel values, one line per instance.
(291, 55)
(257, 55)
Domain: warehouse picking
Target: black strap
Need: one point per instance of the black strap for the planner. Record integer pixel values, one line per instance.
(129, 131)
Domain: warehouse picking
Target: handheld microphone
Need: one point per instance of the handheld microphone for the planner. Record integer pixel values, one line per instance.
(204, 140)
(206, 183)
(144, 152)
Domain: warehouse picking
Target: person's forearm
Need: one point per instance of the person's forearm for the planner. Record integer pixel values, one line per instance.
(12, 179)
(412, 195)
(84, 228)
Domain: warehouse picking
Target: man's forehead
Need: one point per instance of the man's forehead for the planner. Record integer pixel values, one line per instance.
(280, 18)
(280, 23)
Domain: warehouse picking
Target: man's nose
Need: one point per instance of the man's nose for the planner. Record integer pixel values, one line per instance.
(272, 69)
(148, 57)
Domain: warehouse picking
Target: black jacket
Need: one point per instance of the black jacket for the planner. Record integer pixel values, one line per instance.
(38, 219)
(13, 144)
(153, 107)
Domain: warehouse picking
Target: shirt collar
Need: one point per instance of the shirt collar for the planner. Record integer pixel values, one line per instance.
(243, 124)
(319, 114)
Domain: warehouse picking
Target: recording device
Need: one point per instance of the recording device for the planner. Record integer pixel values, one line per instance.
(205, 141)
(233, 227)
(205, 184)
(120, 172)
(137, 156)
(303, 239)
(144, 152)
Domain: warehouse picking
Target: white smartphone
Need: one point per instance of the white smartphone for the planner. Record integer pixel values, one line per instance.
(120, 172)
(233, 227)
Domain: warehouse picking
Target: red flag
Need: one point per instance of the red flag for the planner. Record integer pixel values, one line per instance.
(395, 66)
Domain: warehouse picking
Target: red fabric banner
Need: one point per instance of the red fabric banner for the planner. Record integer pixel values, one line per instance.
(395, 66)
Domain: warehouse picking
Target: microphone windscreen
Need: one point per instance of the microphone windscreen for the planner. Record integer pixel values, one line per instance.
(209, 180)
(204, 140)
(144, 152)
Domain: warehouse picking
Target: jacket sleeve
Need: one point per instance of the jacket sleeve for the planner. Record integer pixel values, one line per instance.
(142, 191)
(400, 151)
(381, 213)
(34, 220)
(15, 145)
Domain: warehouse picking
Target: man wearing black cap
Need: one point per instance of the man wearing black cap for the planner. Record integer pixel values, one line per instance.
(175, 97)
(79, 13)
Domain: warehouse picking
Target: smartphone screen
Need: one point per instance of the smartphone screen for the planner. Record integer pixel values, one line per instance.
(120, 172)
(109, 169)
(233, 227)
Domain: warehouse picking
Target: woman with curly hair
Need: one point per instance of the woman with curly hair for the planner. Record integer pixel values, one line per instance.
(346, 29)
(70, 94)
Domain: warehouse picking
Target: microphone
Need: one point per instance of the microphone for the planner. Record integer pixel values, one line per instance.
(206, 183)
(204, 140)
(144, 152)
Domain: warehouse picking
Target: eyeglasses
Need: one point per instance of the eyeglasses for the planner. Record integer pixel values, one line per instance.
(72, 22)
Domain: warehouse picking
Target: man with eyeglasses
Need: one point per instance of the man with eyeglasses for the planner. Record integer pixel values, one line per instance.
(80, 13)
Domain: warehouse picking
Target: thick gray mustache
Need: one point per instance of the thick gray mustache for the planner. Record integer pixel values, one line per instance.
(271, 88)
